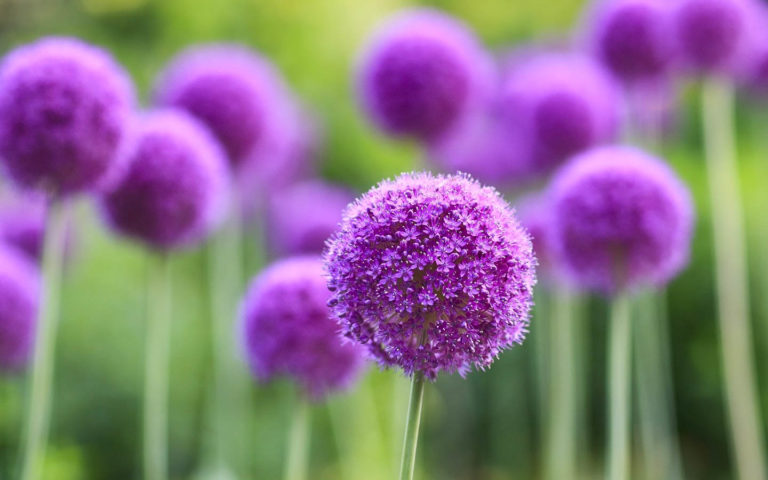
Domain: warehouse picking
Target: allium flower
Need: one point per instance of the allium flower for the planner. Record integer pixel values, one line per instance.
(535, 214)
(620, 219)
(64, 111)
(633, 38)
(421, 73)
(237, 93)
(711, 34)
(562, 103)
(175, 186)
(19, 299)
(432, 274)
(303, 216)
(287, 329)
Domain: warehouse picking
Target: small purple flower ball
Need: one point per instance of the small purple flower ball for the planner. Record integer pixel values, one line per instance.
(19, 301)
(620, 219)
(421, 73)
(633, 38)
(237, 93)
(711, 34)
(175, 187)
(287, 329)
(303, 216)
(431, 273)
(562, 103)
(64, 113)
(22, 224)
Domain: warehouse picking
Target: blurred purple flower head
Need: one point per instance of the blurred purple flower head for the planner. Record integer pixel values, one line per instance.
(237, 93)
(620, 219)
(175, 186)
(711, 35)
(65, 108)
(287, 330)
(535, 214)
(633, 38)
(431, 273)
(421, 73)
(19, 300)
(303, 216)
(562, 104)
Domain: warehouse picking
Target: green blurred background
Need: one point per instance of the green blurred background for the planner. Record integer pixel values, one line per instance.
(486, 426)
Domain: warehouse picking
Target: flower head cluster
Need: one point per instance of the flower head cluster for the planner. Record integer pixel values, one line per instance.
(620, 219)
(238, 94)
(303, 216)
(64, 113)
(633, 38)
(286, 329)
(432, 274)
(421, 74)
(19, 299)
(175, 186)
(562, 104)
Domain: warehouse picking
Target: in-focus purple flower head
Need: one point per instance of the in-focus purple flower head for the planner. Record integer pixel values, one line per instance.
(175, 188)
(19, 301)
(287, 329)
(713, 35)
(303, 216)
(236, 92)
(621, 219)
(562, 103)
(431, 273)
(634, 38)
(65, 110)
(421, 73)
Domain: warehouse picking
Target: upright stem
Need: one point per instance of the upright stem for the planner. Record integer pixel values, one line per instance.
(158, 338)
(298, 443)
(561, 445)
(654, 389)
(747, 442)
(618, 389)
(408, 462)
(38, 414)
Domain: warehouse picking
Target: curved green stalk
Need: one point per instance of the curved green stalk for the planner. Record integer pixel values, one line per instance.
(618, 389)
(158, 339)
(747, 441)
(408, 461)
(38, 414)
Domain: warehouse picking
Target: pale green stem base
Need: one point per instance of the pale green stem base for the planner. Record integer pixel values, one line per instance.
(297, 460)
(38, 414)
(158, 339)
(661, 453)
(408, 461)
(561, 432)
(618, 389)
(747, 442)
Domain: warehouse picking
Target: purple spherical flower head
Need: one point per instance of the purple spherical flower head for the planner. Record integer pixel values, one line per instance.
(175, 186)
(562, 103)
(302, 217)
(237, 93)
(431, 274)
(287, 329)
(421, 73)
(633, 38)
(64, 113)
(711, 34)
(620, 219)
(19, 299)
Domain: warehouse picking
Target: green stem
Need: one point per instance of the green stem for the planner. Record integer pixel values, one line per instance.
(408, 462)
(298, 443)
(618, 389)
(661, 453)
(747, 442)
(158, 337)
(561, 445)
(38, 415)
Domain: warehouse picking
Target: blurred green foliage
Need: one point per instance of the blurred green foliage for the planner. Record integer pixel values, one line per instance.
(482, 427)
